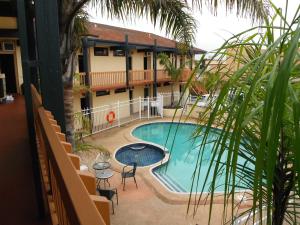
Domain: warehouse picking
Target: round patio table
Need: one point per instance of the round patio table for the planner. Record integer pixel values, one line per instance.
(101, 165)
(103, 175)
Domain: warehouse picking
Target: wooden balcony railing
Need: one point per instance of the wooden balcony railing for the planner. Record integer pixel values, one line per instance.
(162, 76)
(107, 80)
(117, 79)
(79, 81)
(140, 77)
(69, 194)
(185, 75)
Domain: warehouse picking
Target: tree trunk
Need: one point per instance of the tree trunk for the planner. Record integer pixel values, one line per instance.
(282, 185)
(69, 114)
(68, 54)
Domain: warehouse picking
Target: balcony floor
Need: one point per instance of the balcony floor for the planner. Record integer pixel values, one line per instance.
(18, 204)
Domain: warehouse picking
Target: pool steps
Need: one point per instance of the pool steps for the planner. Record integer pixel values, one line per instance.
(169, 182)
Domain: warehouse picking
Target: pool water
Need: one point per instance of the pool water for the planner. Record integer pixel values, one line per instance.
(177, 173)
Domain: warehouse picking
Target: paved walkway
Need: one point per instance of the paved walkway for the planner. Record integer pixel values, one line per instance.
(142, 207)
(17, 194)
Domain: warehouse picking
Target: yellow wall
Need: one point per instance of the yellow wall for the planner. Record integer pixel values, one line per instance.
(137, 60)
(138, 91)
(167, 89)
(76, 102)
(106, 63)
(111, 98)
(112, 63)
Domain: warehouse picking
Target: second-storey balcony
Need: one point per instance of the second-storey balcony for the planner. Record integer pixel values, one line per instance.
(117, 79)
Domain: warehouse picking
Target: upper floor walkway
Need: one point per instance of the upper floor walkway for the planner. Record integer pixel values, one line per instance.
(18, 202)
(98, 81)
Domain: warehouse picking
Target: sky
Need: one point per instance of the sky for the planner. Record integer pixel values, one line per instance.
(212, 30)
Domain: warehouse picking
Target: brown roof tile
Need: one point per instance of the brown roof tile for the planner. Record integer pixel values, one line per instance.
(112, 33)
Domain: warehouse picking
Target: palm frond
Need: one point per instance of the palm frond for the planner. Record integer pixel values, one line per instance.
(255, 9)
(174, 16)
(258, 110)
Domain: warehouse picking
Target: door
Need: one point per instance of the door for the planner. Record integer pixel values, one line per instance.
(83, 103)
(145, 63)
(146, 91)
(129, 63)
(147, 66)
(7, 66)
(80, 64)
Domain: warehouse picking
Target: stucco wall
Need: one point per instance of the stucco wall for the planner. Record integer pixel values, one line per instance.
(112, 98)
(106, 63)
(137, 92)
(167, 89)
(76, 102)
(137, 60)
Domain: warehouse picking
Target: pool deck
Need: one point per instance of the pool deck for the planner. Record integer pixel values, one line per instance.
(151, 203)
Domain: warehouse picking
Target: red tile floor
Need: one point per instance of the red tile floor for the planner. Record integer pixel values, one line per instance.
(17, 192)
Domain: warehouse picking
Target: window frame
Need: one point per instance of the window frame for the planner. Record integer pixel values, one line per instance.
(99, 50)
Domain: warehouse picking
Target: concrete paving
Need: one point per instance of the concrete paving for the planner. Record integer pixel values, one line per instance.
(151, 203)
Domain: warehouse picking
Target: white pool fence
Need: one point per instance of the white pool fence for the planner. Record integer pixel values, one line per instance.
(122, 112)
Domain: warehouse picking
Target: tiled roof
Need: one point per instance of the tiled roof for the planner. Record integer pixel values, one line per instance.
(112, 33)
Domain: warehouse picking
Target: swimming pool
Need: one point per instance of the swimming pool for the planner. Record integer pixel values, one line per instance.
(177, 174)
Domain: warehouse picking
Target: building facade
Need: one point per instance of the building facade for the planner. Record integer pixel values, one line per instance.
(119, 64)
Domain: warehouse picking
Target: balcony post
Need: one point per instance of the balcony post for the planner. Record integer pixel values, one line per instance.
(155, 69)
(25, 21)
(127, 60)
(86, 68)
(47, 29)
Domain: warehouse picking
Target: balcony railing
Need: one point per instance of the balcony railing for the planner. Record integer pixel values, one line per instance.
(117, 79)
(107, 80)
(137, 77)
(185, 75)
(162, 76)
(69, 194)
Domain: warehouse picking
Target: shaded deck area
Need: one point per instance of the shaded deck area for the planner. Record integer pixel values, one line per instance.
(18, 203)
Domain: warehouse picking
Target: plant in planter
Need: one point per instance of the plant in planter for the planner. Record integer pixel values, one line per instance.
(174, 72)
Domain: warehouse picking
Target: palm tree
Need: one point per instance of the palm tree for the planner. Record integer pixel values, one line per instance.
(258, 146)
(173, 15)
(174, 72)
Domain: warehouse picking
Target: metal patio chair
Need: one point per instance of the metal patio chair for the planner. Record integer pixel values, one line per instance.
(129, 173)
(109, 193)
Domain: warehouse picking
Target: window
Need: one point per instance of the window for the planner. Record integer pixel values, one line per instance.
(119, 52)
(102, 93)
(120, 90)
(99, 51)
(83, 103)
(8, 46)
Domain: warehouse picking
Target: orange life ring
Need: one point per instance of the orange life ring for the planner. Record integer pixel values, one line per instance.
(110, 117)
